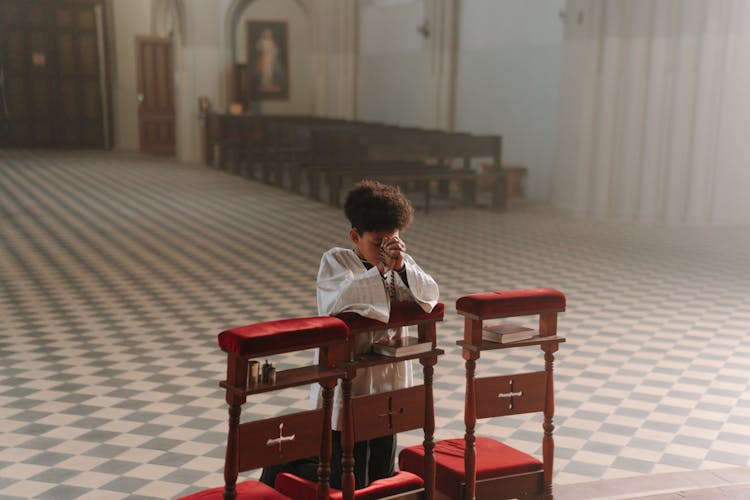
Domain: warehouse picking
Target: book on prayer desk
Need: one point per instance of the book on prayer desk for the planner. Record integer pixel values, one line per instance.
(405, 346)
(505, 334)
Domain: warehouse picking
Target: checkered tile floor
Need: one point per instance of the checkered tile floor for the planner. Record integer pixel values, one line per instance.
(118, 271)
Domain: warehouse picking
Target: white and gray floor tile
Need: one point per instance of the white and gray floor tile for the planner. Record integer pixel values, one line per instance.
(118, 271)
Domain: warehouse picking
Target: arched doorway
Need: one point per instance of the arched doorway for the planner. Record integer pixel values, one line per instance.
(298, 18)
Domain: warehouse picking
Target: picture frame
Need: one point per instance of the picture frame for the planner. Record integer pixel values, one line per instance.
(268, 59)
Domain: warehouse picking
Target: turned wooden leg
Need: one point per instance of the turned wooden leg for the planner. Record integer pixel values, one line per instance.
(231, 461)
(429, 428)
(548, 442)
(548, 327)
(324, 465)
(347, 442)
(470, 420)
(472, 336)
(236, 377)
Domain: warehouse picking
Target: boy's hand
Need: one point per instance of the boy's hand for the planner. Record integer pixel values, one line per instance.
(392, 253)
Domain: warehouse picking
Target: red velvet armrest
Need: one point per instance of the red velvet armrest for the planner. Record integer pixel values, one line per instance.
(507, 303)
(273, 337)
(402, 313)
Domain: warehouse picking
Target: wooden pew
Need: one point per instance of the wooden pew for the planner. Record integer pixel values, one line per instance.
(406, 157)
(333, 153)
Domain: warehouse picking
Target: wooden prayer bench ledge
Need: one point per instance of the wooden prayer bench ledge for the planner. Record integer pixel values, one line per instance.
(403, 313)
(285, 379)
(367, 360)
(489, 346)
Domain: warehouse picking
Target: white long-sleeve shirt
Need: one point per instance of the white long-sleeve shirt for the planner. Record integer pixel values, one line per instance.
(345, 285)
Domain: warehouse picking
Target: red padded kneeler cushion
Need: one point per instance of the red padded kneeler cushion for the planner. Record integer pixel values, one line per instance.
(283, 335)
(246, 490)
(403, 312)
(512, 302)
(493, 459)
(302, 489)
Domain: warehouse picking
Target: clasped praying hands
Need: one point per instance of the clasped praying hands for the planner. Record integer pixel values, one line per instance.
(392, 254)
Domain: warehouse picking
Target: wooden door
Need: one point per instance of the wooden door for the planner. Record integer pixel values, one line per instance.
(156, 118)
(54, 77)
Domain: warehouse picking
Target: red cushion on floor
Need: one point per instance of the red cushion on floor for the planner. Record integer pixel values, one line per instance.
(246, 490)
(493, 459)
(302, 489)
(405, 312)
(512, 302)
(283, 335)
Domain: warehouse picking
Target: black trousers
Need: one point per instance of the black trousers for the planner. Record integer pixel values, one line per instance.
(374, 459)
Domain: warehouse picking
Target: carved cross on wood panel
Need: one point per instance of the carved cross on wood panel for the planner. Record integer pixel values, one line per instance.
(510, 395)
(391, 412)
(281, 439)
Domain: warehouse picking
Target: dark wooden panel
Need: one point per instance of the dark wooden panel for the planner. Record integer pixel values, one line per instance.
(92, 136)
(88, 55)
(50, 54)
(40, 97)
(149, 84)
(69, 135)
(68, 101)
(161, 83)
(86, 19)
(167, 132)
(241, 84)
(280, 439)
(155, 84)
(39, 43)
(17, 96)
(64, 18)
(20, 134)
(515, 486)
(91, 100)
(511, 394)
(388, 413)
(35, 14)
(42, 133)
(11, 13)
(66, 54)
(16, 58)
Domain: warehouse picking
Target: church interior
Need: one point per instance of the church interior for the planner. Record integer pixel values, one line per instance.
(172, 169)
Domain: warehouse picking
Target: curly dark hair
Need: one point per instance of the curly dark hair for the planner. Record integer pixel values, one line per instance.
(374, 206)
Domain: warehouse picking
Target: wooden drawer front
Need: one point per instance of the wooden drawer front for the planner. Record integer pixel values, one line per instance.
(510, 394)
(280, 439)
(388, 413)
(515, 486)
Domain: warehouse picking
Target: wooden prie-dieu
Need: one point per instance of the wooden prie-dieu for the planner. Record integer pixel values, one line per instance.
(256, 444)
(385, 413)
(482, 467)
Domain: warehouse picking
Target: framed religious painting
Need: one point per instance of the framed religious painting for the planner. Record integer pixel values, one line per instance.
(268, 59)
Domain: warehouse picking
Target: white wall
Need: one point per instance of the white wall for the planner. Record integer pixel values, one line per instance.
(323, 46)
(510, 55)
(654, 116)
(198, 70)
(131, 18)
(390, 64)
